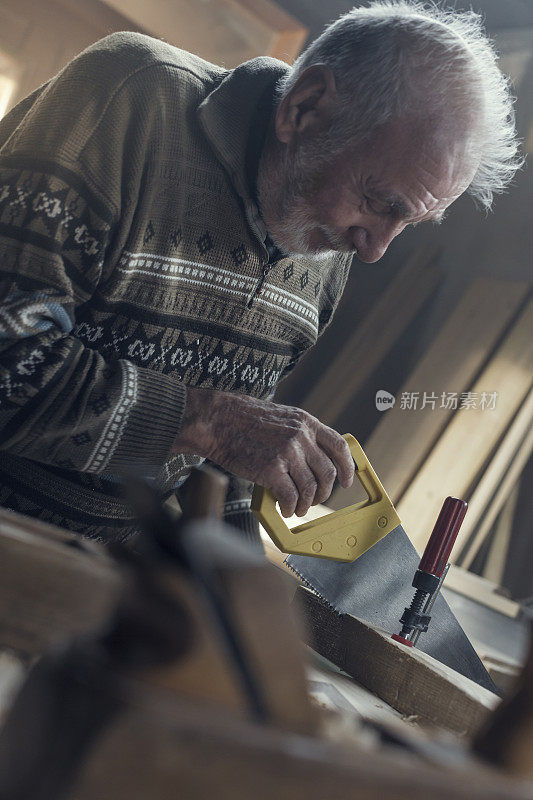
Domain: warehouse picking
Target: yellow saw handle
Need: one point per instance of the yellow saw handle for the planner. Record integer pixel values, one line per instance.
(343, 535)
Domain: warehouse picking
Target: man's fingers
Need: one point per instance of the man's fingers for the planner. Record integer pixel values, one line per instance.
(324, 471)
(283, 448)
(336, 447)
(306, 484)
(285, 493)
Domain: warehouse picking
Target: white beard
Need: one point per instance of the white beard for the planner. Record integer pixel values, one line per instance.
(286, 186)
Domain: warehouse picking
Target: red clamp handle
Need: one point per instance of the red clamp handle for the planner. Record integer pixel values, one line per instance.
(443, 537)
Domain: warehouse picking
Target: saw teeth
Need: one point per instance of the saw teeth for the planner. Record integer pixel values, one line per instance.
(309, 585)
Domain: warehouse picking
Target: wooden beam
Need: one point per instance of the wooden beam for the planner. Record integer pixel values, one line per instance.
(288, 34)
(499, 546)
(49, 589)
(325, 686)
(481, 590)
(372, 339)
(457, 461)
(98, 13)
(403, 438)
(406, 678)
(490, 482)
(159, 748)
(226, 32)
(504, 674)
(509, 480)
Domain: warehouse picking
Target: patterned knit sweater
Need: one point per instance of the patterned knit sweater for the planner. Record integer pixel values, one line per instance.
(131, 251)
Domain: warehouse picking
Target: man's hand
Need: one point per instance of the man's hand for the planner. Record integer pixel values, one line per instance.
(280, 447)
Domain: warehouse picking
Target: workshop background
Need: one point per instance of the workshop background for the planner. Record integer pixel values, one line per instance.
(176, 666)
(444, 322)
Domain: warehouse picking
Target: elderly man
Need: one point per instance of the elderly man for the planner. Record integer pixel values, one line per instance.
(174, 236)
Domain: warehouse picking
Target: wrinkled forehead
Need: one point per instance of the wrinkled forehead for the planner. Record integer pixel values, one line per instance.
(416, 179)
(445, 135)
(448, 156)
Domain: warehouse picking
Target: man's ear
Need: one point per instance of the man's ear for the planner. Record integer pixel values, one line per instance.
(308, 104)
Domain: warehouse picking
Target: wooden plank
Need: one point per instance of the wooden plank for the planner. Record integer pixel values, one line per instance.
(288, 33)
(511, 477)
(481, 590)
(370, 716)
(49, 589)
(227, 32)
(338, 692)
(97, 14)
(406, 678)
(50, 592)
(159, 745)
(42, 37)
(488, 486)
(259, 603)
(403, 438)
(369, 343)
(11, 521)
(463, 451)
(499, 546)
(503, 674)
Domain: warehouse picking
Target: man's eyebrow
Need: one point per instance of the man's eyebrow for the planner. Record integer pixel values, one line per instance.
(400, 207)
(394, 200)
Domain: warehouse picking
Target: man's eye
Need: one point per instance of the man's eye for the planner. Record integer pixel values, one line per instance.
(378, 206)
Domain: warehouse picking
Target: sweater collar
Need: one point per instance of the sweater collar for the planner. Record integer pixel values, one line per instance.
(228, 112)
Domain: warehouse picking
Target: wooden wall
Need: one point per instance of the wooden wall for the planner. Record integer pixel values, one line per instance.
(38, 38)
(226, 32)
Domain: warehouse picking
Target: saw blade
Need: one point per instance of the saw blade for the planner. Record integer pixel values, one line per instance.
(377, 587)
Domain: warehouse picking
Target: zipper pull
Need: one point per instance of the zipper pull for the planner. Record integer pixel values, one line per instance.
(260, 284)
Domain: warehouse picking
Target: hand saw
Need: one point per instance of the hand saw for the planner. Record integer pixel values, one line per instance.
(360, 561)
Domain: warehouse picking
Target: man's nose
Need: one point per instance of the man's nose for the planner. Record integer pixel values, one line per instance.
(372, 241)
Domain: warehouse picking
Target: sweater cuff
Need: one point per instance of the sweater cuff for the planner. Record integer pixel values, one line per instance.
(238, 514)
(152, 424)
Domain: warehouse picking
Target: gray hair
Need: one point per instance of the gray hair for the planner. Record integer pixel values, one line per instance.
(409, 58)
